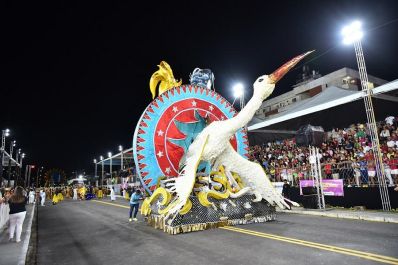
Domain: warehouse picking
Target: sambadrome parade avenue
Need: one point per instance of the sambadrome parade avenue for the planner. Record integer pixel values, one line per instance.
(199, 132)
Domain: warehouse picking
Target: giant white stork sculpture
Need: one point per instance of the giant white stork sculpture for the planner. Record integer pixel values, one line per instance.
(213, 145)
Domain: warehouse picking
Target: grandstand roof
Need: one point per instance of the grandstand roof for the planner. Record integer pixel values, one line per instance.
(329, 98)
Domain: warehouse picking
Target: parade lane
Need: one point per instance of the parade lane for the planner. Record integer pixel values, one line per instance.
(89, 232)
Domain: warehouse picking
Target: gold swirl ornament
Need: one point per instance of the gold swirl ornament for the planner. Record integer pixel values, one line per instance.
(164, 77)
(146, 205)
(166, 197)
(203, 196)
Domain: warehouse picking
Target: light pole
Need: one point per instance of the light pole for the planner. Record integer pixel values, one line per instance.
(4, 133)
(17, 166)
(353, 35)
(102, 173)
(12, 144)
(110, 164)
(28, 170)
(121, 156)
(95, 168)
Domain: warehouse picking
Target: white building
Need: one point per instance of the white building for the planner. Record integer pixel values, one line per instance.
(312, 85)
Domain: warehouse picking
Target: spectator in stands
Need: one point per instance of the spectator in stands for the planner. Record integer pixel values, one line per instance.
(390, 120)
(343, 149)
(328, 169)
(385, 133)
(357, 172)
(393, 163)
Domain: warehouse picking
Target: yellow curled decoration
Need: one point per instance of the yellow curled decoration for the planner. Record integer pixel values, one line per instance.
(187, 207)
(203, 179)
(238, 180)
(164, 77)
(203, 197)
(146, 205)
(203, 200)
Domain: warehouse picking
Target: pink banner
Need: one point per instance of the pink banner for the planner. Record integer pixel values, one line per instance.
(331, 187)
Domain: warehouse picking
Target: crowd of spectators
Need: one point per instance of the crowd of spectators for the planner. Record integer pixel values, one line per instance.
(346, 153)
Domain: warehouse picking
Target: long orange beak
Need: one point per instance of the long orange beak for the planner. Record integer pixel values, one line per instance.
(281, 71)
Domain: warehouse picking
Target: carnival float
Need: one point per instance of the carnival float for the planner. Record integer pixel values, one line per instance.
(191, 149)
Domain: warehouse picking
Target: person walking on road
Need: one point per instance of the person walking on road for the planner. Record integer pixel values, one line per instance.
(31, 196)
(113, 196)
(42, 197)
(75, 193)
(17, 204)
(134, 204)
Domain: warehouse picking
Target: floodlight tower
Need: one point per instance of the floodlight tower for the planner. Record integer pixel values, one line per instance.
(4, 133)
(121, 157)
(102, 173)
(110, 163)
(95, 167)
(352, 35)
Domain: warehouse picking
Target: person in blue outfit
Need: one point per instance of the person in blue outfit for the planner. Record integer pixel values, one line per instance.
(134, 204)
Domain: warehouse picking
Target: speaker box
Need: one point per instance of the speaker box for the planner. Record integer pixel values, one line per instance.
(310, 135)
(309, 190)
(310, 201)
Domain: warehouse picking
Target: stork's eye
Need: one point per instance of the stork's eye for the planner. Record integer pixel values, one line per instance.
(260, 80)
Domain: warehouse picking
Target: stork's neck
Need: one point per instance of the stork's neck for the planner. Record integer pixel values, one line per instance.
(247, 113)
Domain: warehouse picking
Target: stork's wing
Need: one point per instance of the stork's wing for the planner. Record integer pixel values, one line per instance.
(252, 175)
(186, 178)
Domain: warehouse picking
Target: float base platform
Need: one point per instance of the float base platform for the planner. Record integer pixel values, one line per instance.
(225, 212)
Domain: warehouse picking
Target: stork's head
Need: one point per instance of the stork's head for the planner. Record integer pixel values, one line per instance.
(265, 84)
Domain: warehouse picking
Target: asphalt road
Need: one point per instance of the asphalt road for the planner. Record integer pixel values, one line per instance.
(90, 232)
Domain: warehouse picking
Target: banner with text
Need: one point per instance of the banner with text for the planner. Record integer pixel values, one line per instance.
(331, 187)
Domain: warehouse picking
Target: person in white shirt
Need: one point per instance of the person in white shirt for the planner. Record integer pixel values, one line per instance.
(390, 142)
(31, 197)
(113, 196)
(390, 120)
(43, 197)
(385, 133)
(75, 193)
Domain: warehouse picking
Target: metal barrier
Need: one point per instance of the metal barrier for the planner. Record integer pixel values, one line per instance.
(4, 214)
(353, 173)
(358, 173)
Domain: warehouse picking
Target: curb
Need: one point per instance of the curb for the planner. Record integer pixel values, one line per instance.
(347, 215)
(22, 257)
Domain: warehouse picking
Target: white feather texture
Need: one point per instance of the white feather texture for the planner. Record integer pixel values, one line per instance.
(213, 145)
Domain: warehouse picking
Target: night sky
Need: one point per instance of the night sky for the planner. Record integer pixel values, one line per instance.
(75, 78)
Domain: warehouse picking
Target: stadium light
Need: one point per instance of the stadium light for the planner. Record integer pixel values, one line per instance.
(120, 148)
(109, 154)
(352, 33)
(101, 158)
(95, 161)
(238, 90)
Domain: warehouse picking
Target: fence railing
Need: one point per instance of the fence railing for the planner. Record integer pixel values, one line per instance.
(352, 173)
(4, 214)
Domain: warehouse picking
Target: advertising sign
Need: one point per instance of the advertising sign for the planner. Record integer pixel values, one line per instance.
(331, 187)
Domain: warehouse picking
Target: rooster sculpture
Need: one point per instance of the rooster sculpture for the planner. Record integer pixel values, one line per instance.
(212, 145)
(163, 78)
